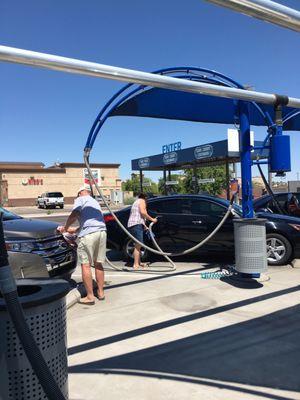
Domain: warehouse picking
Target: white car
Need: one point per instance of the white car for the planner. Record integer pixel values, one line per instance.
(50, 200)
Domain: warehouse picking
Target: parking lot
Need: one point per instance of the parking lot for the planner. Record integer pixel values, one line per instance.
(185, 336)
(193, 333)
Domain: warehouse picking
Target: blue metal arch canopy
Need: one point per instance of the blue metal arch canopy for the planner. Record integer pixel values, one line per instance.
(143, 101)
(167, 104)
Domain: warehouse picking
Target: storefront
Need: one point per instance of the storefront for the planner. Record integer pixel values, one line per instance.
(22, 182)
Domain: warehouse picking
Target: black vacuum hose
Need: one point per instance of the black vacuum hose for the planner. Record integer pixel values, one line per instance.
(9, 291)
(270, 191)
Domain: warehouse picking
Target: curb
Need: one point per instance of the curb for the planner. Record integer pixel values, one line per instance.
(72, 298)
(295, 263)
(45, 215)
(79, 291)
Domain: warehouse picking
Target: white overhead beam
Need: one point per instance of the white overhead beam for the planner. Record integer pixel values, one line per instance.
(74, 66)
(267, 10)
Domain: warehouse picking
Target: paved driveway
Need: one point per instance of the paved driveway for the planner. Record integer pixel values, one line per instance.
(184, 336)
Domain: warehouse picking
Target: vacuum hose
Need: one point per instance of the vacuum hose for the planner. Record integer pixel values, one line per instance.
(9, 291)
(270, 191)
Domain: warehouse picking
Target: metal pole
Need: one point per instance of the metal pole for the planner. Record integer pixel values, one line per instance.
(141, 181)
(227, 180)
(245, 144)
(195, 180)
(165, 179)
(70, 65)
(266, 10)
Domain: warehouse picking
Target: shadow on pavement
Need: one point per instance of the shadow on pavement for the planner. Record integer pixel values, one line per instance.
(263, 352)
(177, 321)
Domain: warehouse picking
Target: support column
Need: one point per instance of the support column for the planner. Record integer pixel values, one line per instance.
(195, 180)
(165, 179)
(245, 150)
(141, 181)
(169, 175)
(227, 180)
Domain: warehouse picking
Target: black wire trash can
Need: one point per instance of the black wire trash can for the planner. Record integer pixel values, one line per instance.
(43, 301)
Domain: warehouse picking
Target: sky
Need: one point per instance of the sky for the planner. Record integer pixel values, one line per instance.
(46, 115)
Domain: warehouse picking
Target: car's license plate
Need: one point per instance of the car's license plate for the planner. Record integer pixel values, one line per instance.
(67, 260)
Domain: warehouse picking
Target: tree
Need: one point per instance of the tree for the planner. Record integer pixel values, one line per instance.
(133, 185)
(217, 172)
(174, 188)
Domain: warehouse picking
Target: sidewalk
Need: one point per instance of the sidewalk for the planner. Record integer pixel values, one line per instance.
(180, 336)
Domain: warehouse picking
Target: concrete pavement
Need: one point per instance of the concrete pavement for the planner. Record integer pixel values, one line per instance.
(35, 212)
(181, 336)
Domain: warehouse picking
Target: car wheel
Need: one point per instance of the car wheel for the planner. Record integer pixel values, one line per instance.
(61, 206)
(128, 251)
(279, 249)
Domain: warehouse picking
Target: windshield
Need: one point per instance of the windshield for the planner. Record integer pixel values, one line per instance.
(7, 215)
(55, 194)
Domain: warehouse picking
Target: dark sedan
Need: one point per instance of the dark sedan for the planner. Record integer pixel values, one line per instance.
(36, 249)
(185, 220)
(289, 203)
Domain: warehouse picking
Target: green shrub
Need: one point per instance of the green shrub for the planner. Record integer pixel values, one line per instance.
(129, 201)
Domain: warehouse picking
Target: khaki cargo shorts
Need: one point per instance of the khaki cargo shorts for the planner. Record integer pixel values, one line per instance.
(92, 248)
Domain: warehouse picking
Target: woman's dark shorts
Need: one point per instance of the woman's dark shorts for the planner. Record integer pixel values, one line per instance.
(137, 231)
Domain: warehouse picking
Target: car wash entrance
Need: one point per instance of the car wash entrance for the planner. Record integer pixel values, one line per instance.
(224, 152)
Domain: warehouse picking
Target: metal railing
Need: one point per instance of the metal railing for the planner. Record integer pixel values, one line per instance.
(74, 66)
(266, 10)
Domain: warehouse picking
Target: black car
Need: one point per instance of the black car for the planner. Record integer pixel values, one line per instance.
(185, 220)
(36, 249)
(289, 203)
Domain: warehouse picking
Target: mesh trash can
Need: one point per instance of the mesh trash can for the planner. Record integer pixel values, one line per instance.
(250, 245)
(43, 301)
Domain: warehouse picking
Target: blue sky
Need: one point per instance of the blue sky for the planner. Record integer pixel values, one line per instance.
(46, 115)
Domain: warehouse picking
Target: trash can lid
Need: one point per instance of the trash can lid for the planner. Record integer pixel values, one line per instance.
(254, 221)
(35, 292)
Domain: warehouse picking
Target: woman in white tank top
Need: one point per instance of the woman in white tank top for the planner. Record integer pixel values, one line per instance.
(136, 226)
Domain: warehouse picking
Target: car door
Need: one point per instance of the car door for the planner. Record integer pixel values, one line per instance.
(211, 214)
(178, 228)
(166, 229)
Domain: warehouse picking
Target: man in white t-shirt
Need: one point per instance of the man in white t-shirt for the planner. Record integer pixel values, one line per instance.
(91, 248)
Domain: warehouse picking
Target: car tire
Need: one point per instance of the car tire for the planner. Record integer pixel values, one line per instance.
(279, 249)
(128, 251)
(61, 207)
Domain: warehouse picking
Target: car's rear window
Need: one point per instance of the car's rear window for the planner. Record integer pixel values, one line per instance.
(55, 194)
(7, 215)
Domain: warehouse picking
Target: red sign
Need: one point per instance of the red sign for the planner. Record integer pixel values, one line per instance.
(32, 181)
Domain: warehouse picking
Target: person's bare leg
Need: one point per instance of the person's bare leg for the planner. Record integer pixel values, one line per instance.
(99, 272)
(87, 279)
(137, 256)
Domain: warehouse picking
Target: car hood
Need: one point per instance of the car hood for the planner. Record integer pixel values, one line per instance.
(278, 217)
(29, 229)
